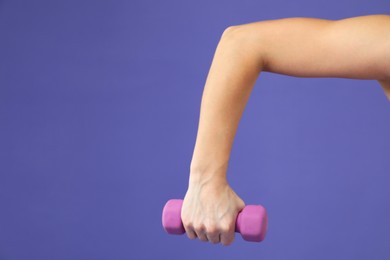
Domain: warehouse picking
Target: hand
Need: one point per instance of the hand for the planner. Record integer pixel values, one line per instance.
(209, 211)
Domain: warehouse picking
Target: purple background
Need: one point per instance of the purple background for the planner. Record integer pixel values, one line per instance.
(99, 106)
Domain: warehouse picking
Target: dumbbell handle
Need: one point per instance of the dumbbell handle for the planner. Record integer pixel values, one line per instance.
(251, 222)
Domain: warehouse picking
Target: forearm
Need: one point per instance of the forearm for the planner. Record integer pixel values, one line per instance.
(232, 75)
(210, 206)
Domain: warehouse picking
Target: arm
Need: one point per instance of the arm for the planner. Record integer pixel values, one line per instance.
(351, 48)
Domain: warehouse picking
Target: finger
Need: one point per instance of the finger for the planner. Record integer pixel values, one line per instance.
(227, 239)
(213, 235)
(227, 236)
(201, 235)
(214, 238)
(190, 231)
(191, 234)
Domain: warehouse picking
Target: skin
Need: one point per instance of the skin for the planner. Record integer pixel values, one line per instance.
(357, 48)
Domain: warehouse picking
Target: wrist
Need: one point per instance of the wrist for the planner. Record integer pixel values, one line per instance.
(206, 173)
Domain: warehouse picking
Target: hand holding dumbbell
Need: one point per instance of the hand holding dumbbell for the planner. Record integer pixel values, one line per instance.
(251, 222)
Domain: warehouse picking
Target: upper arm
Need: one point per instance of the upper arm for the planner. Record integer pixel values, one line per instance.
(356, 47)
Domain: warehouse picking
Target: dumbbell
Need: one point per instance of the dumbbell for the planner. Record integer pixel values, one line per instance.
(251, 222)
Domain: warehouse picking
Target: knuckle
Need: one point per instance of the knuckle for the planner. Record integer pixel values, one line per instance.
(187, 224)
(198, 227)
(226, 227)
(212, 230)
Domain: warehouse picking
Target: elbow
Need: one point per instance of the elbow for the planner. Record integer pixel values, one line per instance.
(232, 31)
(245, 40)
(237, 34)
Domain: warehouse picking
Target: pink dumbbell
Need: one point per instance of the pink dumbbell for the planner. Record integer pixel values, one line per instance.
(251, 222)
